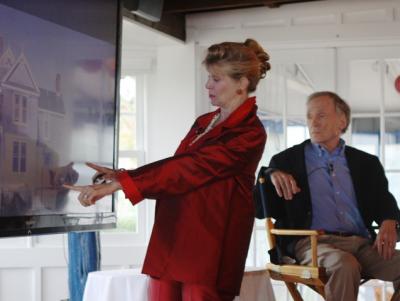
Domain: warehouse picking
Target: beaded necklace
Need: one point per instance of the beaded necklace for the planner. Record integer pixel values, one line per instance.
(210, 126)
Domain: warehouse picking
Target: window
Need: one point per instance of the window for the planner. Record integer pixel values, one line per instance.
(1, 107)
(365, 134)
(19, 157)
(24, 109)
(16, 108)
(131, 154)
(1, 141)
(20, 109)
(370, 82)
(392, 143)
(45, 129)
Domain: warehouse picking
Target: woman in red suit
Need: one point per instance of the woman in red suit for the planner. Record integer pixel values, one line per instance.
(204, 211)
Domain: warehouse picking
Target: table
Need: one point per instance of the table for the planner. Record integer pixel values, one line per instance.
(256, 286)
(130, 284)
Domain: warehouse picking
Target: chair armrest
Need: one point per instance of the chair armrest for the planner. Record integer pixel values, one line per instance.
(296, 232)
(313, 237)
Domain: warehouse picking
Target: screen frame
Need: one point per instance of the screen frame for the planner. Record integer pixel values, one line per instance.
(27, 225)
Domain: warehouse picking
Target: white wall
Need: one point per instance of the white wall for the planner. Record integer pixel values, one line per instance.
(171, 100)
(334, 22)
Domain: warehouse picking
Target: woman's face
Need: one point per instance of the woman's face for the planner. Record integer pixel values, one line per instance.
(222, 89)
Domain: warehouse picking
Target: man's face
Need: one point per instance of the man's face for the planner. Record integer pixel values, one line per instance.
(325, 124)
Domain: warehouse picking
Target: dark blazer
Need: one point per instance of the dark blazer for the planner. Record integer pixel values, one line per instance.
(374, 200)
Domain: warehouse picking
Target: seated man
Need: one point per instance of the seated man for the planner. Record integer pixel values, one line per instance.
(326, 185)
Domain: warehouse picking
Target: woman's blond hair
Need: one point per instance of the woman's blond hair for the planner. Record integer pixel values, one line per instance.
(239, 60)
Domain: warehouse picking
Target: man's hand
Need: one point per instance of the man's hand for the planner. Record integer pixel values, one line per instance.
(385, 242)
(284, 184)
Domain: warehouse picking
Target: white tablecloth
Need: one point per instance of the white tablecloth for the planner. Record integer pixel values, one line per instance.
(256, 286)
(116, 285)
(131, 285)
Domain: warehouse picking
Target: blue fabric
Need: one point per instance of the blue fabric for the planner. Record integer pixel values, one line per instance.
(84, 257)
(334, 203)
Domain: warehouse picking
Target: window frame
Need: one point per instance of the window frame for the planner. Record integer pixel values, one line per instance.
(1, 107)
(20, 109)
(19, 157)
(144, 208)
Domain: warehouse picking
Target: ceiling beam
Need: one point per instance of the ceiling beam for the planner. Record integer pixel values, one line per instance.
(179, 6)
(171, 24)
(173, 17)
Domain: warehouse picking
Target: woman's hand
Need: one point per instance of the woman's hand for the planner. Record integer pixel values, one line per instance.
(90, 194)
(105, 173)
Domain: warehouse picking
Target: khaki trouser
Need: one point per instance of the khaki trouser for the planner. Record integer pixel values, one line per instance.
(347, 260)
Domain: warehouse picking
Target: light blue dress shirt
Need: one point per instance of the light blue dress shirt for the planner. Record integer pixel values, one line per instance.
(334, 203)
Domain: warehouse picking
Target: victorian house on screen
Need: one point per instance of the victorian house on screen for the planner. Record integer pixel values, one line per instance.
(29, 116)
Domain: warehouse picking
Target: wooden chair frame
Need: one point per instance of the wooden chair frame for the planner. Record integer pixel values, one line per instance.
(313, 276)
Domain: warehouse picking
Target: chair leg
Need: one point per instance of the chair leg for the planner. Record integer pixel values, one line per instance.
(320, 290)
(293, 291)
(396, 296)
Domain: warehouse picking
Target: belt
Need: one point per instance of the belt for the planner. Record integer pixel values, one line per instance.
(344, 234)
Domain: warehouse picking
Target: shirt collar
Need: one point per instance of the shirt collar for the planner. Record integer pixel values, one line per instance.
(320, 150)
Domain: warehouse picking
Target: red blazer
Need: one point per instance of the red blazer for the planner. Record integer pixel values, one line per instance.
(204, 212)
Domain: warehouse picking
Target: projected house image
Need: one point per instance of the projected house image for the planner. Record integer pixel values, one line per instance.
(56, 111)
(32, 118)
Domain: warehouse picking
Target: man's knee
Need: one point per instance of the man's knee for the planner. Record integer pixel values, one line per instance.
(345, 264)
(344, 277)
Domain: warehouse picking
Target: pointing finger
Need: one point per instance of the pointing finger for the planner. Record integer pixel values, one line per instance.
(74, 188)
(98, 168)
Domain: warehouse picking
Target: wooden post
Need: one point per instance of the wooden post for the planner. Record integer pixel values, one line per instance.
(314, 250)
(271, 239)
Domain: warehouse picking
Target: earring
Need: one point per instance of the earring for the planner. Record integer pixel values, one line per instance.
(239, 91)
